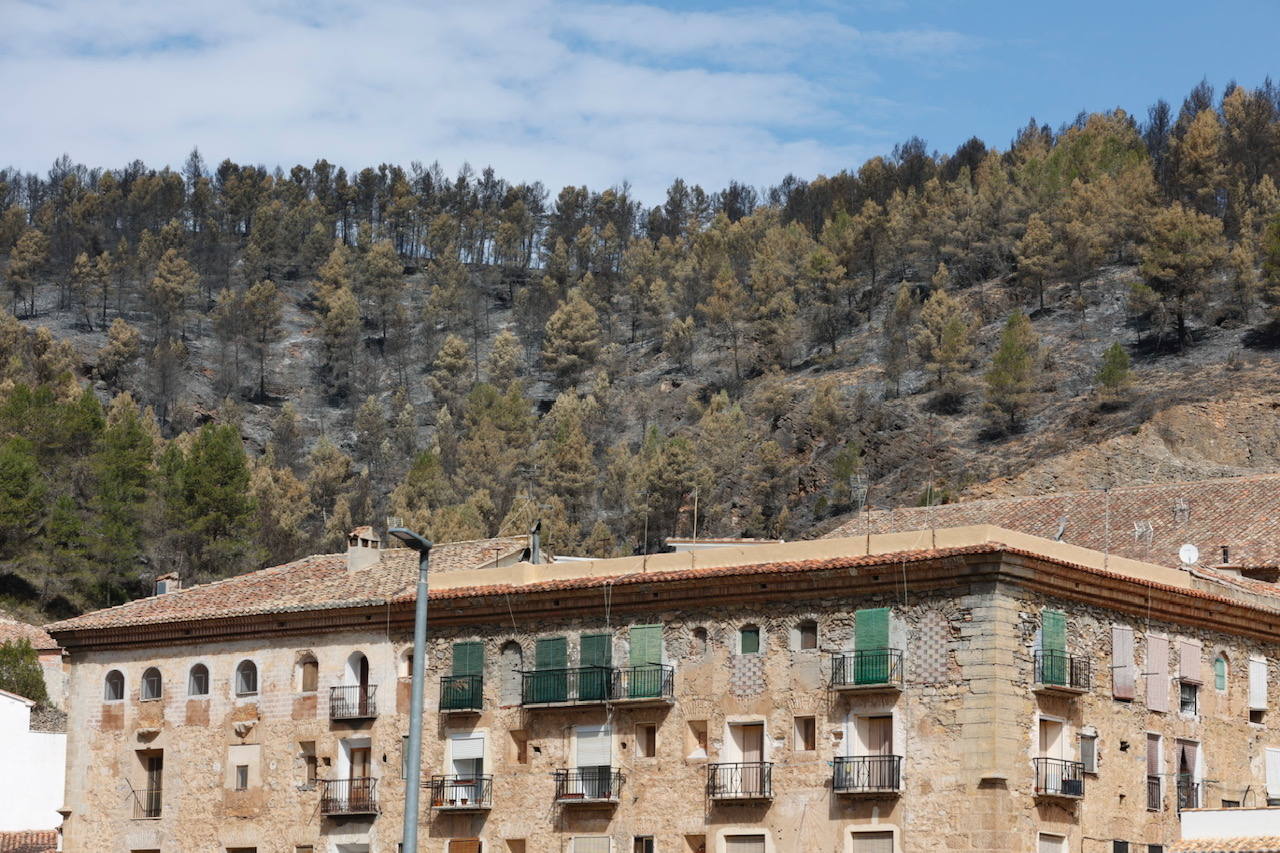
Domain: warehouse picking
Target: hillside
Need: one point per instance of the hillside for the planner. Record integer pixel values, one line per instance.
(273, 358)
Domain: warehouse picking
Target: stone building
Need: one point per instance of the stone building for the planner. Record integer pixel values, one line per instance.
(972, 688)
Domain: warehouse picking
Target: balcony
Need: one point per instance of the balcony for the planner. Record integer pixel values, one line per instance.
(582, 685)
(749, 781)
(1056, 777)
(348, 797)
(461, 793)
(868, 775)
(1155, 794)
(353, 702)
(1060, 673)
(648, 684)
(589, 785)
(461, 694)
(146, 804)
(868, 670)
(1188, 792)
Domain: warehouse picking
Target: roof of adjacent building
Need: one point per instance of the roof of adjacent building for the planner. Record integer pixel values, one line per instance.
(12, 629)
(318, 582)
(1242, 513)
(1255, 844)
(29, 841)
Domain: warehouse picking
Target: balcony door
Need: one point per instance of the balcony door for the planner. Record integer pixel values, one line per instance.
(1052, 739)
(646, 659)
(596, 655)
(551, 656)
(593, 748)
(748, 739)
(466, 755)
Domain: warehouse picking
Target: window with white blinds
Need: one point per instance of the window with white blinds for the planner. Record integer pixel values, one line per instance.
(1123, 672)
(744, 844)
(593, 746)
(463, 748)
(1157, 672)
(873, 842)
(1052, 844)
(1273, 772)
(591, 844)
(1258, 683)
(1189, 654)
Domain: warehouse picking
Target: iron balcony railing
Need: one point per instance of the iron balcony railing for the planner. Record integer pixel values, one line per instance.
(349, 796)
(589, 784)
(646, 681)
(866, 668)
(867, 774)
(146, 803)
(1155, 794)
(461, 792)
(1056, 777)
(751, 780)
(1188, 792)
(353, 702)
(461, 693)
(575, 686)
(1059, 669)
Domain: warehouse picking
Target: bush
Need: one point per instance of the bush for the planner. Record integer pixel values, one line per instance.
(20, 671)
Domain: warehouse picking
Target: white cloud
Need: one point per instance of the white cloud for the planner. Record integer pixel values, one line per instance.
(542, 90)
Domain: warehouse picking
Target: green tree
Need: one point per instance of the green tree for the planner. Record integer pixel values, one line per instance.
(263, 315)
(122, 349)
(167, 293)
(1183, 246)
(1035, 255)
(572, 341)
(20, 671)
(1115, 375)
(895, 340)
(22, 491)
(944, 341)
(382, 281)
(1011, 378)
(215, 505)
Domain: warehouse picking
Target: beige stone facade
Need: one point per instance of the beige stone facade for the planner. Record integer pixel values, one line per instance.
(932, 738)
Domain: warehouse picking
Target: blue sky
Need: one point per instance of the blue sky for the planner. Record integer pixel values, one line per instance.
(591, 92)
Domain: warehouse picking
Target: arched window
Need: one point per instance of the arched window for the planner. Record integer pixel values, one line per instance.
(1220, 672)
(804, 637)
(406, 663)
(152, 684)
(308, 674)
(198, 680)
(113, 690)
(246, 678)
(700, 642)
(749, 640)
(511, 661)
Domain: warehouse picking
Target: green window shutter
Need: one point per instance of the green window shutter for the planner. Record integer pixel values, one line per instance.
(1220, 673)
(551, 653)
(597, 652)
(750, 641)
(871, 629)
(550, 682)
(646, 644)
(468, 658)
(1053, 630)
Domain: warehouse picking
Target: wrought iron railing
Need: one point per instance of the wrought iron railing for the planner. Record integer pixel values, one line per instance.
(353, 702)
(751, 780)
(589, 784)
(349, 796)
(646, 681)
(1188, 792)
(1058, 669)
(1058, 777)
(461, 792)
(866, 667)
(574, 685)
(146, 803)
(867, 774)
(461, 693)
(1155, 794)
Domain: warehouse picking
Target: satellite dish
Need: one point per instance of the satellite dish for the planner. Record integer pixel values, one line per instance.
(1189, 554)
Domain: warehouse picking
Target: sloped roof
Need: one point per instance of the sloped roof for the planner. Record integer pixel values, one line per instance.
(12, 630)
(30, 841)
(318, 582)
(1242, 513)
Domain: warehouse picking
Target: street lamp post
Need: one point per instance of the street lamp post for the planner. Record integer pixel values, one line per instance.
(413, 773)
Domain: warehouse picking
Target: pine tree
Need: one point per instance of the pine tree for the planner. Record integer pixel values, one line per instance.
(451, 377)
(1183, 246)
(283, 526)
(1035, 254)
(215, 503)
(1011, 378)
(1114, 376)
(26, 264)
(678, 342)
(895, 341)
(20, 672)
(1198, 157)
(167, 293)
(122, 468)
(122, 349)
(340, 336)
(382, 281)
(572, 341)
(263, 314)
(83, 274)
(334, 274)
(727, 317)
(504, 359)
(287, 438)
(944, 342)
(22, 491)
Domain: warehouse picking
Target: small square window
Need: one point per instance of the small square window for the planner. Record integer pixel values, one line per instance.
(806, 734)
(807, 636)
(1155, 848)
(643, 844)
(749, 640)
(1119, 847)
(1189, 698)
(242, 777)
(647, 740)
(1257, 715)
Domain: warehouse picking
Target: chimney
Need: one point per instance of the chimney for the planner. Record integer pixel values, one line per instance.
(364, 548)
(535, 543)
(167, 583)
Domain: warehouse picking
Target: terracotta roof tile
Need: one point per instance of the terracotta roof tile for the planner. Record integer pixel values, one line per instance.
(31, 841)
(12, 629)
(1242, 513)
(1255, 844)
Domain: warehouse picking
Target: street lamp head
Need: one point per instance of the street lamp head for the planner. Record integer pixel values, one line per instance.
(410, 539)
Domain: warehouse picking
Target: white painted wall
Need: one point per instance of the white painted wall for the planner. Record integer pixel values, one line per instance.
(31, 794)
(1230, 823)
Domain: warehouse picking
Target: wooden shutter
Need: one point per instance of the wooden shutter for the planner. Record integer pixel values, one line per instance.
(1258, 684)
(1153, 755)
(646, 644)
(464, 845)
(468, 658)
(594, 746)
(744, 844)
(1273, 772)
(871, 629)
(1220, 673)
(1122, 669)
(551, 653)
(1157, 672)
(597, 844)
(1053, 630)
(1189, 660)
(873, 842)
(597, 650)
